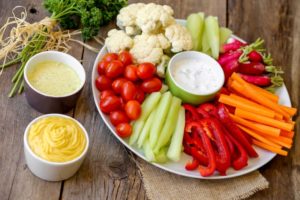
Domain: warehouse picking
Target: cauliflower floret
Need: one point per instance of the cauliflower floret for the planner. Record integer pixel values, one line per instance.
(117, 41)
(179, 37)
(149, 48)
(153, 18)
(126, 18)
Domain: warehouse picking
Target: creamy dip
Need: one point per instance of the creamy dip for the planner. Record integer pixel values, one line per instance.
(196, 76)
(56, 139)
(53, 78)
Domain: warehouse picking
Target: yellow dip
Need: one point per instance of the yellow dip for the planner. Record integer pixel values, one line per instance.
(56, 139)
(53, 78)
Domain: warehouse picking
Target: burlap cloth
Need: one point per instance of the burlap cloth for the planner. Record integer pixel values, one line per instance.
(162, 185)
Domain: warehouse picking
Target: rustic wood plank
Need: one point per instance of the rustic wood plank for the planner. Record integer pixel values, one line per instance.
(278, 23)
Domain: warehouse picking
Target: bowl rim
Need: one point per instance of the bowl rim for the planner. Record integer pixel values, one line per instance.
(68, 56)
(215, 64)
(27, 147)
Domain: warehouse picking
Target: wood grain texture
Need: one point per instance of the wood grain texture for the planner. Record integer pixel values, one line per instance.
(278, 23)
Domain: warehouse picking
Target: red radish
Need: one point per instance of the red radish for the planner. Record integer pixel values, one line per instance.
(228, 57)
(252, 68)
(229, 68)
(232, 46)
(262, 80)
(255, 56)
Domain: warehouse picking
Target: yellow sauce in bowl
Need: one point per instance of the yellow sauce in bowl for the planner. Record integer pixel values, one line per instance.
(53, 78)
(56, 139)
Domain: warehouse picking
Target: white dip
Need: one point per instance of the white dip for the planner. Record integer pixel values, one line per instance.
(196, 76)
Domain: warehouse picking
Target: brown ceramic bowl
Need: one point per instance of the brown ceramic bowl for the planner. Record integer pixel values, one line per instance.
(45, 103)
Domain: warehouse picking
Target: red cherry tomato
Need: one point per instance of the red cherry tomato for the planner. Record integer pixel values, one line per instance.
(106, 93)
(130, 72)
(140, 95)
(114, 69)
(128, 91)
(118, 117)
(117, 85)
(110, 103)
(146, 70)
(133, 109)
(124, 130)
(103, 83)
(110, 57)
(101, 67)
(125, 57)
(151, 85)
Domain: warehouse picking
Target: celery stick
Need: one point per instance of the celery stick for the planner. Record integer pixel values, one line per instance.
(194, 25)
(213, 35)
(161, 156)
(160, 116)
(146, 129)
(205, 45)
(148, 151)
(225, 33)
(176, 141)
(168, 127)
(148, 105)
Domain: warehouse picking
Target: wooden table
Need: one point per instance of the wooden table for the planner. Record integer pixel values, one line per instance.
(108, 172)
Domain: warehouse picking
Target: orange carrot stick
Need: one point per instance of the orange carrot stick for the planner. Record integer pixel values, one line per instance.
(282, 141)
(232, 102)
(250, 93)
(270, 148)
(259, 137)
(288, 134)
(263, 120)
(268, 130)
(292, 111)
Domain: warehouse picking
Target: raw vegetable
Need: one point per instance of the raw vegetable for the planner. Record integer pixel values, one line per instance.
(263, 80)
(270, 148)
(146, 129)
(252, 68)
(195, 25)
(213, 36)
(225, 33)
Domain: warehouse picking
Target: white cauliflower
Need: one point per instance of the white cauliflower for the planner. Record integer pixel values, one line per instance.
(126, 18)
(117, 41)
(179, 37)
(153, 18)
(149, 48)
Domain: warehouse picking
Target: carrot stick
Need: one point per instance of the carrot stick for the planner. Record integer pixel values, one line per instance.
(288, 134)
(292, 111)
(282, 141)
(244, 100)
(259, 137)
(268, 130)
(270, 148)
(263, 120)
(232, 102)
(258, 97)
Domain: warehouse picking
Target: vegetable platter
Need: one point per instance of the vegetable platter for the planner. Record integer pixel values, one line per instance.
(179, 167)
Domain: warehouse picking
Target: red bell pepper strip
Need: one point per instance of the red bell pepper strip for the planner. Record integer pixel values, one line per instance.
(208, 108)
(192, 165)
(230, 145)
(190, 113)
(234, 130)
(199, 155)
(202, 113)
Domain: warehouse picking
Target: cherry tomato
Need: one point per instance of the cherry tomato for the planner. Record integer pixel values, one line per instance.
(146, 70)
(101, 67)
(114, 69)
(110, 103)
(125, 57)
(151, 85)
(110, 57)
(133, 109)
(103, 83)
(106, 93)
(140, 95)
(117, 85)
(130, 72)
(124, 130)
(128, 91)
(118, 117)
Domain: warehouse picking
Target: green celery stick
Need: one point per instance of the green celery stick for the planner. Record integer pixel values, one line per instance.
(161, 156)
(148, 105)
(213, 35)
(168, 127)
(148, 151)
(146, 129)
(159, 119)
(194, 25)
(174, 150)
(225, 33)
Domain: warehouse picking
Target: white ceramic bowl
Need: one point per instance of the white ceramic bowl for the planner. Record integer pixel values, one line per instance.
(53, 171)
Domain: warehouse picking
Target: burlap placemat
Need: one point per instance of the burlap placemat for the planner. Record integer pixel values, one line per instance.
(162, 185)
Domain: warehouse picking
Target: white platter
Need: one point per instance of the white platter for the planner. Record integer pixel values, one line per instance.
(179, 167)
